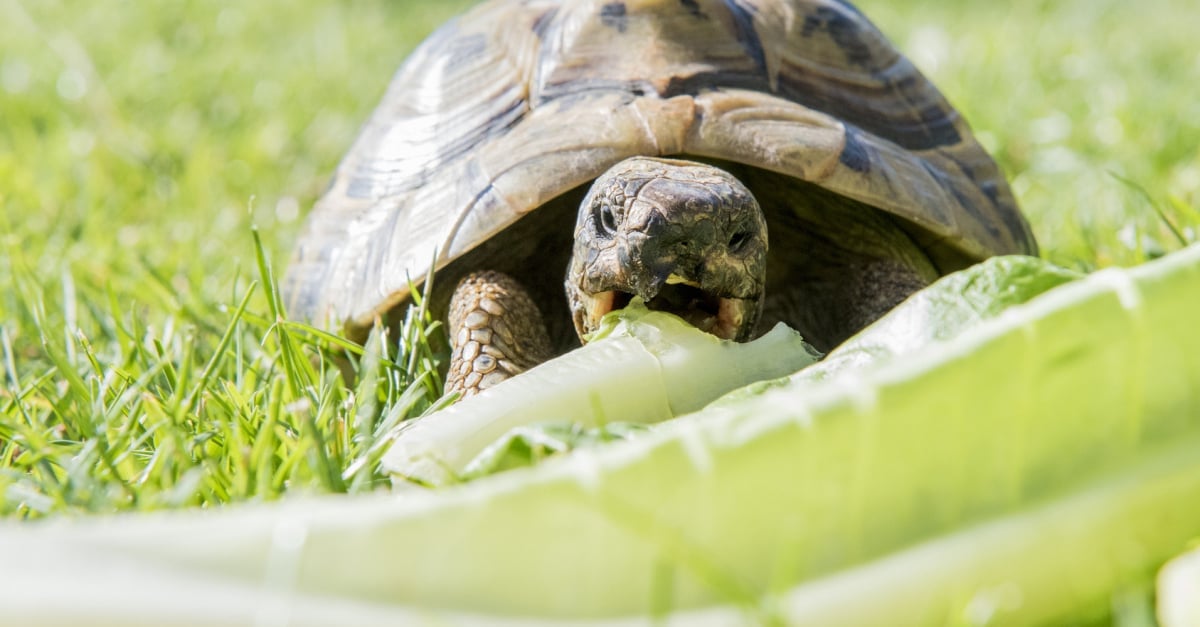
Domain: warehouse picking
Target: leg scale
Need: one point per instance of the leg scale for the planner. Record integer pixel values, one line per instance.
(496, 331)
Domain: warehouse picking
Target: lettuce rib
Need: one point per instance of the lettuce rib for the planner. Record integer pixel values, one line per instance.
(642, 367)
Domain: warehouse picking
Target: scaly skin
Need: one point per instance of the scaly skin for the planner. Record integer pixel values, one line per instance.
(496, 331)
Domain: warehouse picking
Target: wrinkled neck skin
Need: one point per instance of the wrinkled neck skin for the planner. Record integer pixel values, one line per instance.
(686, 237)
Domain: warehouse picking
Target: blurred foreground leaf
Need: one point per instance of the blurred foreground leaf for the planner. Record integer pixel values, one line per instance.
(1022, 473)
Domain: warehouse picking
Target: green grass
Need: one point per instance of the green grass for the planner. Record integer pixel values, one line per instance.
(1073, 98)
(141, 358)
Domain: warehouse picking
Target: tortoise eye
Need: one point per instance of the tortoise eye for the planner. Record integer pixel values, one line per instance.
(605, 219)
(738, 241)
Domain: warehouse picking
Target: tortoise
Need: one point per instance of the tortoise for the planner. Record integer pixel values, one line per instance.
(644, 148)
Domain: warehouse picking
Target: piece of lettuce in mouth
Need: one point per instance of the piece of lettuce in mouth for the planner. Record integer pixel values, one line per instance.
(640, 366)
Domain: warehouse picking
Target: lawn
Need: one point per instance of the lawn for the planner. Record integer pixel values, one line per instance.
(141, 144)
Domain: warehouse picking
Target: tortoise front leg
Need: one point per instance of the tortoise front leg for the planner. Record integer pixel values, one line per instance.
(496, 331)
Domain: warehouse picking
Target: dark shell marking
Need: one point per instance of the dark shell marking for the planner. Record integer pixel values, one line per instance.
(520, 101)
(612, 15)
(854, 155)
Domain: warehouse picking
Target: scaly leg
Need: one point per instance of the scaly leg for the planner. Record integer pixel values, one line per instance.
(496, 331)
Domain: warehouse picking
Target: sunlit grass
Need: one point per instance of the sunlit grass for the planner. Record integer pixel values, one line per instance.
(136, 417)
(1075, 99)
(142, 362)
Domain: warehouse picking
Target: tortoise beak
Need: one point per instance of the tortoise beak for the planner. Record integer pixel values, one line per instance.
(726, 318)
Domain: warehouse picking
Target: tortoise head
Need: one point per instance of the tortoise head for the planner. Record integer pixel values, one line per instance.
(687, 238)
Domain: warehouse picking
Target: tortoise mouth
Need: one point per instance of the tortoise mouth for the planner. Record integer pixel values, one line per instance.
(726, 318)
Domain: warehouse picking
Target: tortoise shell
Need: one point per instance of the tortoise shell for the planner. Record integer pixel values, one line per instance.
(519, 102)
